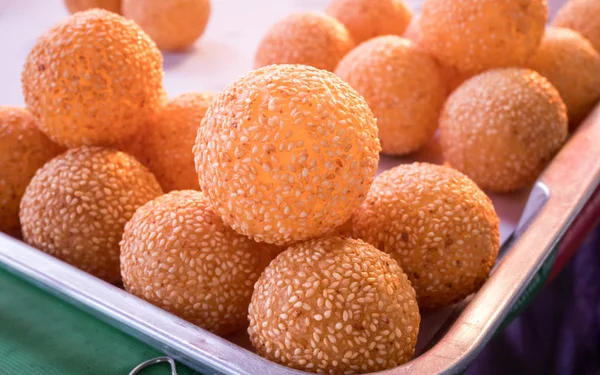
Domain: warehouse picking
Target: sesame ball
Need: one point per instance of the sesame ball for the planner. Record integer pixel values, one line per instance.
(439, 226)
(77, 204)
(366, 19)
(23, 150)
(92, 79)
(452, 76)
(177, 254)
(407, 99)
(572, 65)
(477, 35)
(173, 24)
(334, 305)
(582, 16)
(312, 39)
(286, 153)
(169, 138)
(502, 138)
(79, 5)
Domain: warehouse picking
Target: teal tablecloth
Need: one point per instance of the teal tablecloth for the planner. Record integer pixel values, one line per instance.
(42, 335)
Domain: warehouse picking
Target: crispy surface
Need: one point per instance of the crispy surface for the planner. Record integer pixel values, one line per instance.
(177, 254)
(173, 24)
(572, 65)
(477, 35)
(503, 138)
(334, 305)
(93, 79)
(366, 19)
(23, 150)
(286, 153)
(406, 99)
(313, 39)
(439, 226)
(76, 207)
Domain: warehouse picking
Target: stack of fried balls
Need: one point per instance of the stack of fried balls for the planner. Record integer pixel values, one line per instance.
(258, 207)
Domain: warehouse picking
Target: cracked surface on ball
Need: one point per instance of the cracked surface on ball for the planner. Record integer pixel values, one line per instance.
(572, 65)
(477, 35)
(334, 305)
(286, 153)
(503, 138)
(77, 204)
(312, 39)
(406, 99)
(93, 79)
(439, 226)
(177, 254)
(366, 19)
(173, 24)
(23, 150)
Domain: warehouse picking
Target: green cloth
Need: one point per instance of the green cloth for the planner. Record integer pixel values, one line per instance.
(42, 335)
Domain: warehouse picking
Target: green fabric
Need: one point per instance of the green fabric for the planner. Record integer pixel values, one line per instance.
(42, 335)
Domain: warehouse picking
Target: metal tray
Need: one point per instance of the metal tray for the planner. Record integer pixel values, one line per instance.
(449, 339)
(533, 221)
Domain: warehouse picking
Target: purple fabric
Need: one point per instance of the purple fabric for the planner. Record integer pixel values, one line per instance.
(559, 333)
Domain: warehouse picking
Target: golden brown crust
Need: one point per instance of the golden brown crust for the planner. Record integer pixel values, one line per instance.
(313, 39)
(572, 65)
(286, 153)
(93, 79)
(452, 76)
(439, 226)
(177, 254)
(582, 16)
(168, 141)
(477, 35)
(366, 19)
(77, 204)
(406, 99)
(334, 305)
(173, 24)
(502, 138)
(23, 150)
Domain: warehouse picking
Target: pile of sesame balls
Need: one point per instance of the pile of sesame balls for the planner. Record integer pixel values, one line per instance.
(259, 207)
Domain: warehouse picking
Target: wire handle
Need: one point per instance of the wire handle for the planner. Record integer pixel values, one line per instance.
(154, 361)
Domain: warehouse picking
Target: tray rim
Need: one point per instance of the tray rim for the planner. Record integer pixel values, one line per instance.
(579, 160)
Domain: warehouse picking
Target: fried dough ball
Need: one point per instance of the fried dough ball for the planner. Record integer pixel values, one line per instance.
(366, 19)
(572, 65)
(407, 99)
(502, 138)
(477, 35)
(23, 150)
(582, 16)
(169, 139)
(439, 226)
(312, 39)
(286, 153)
(173, 24)
(93, 79)
(334, 305)
(177, 254)
(79, 5)
(452, 76)
(76, 206)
